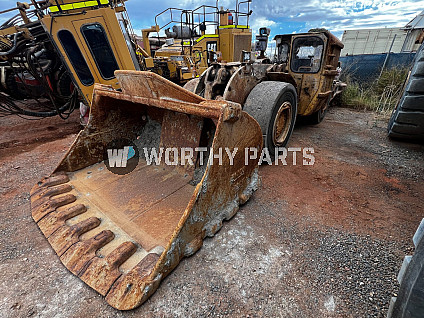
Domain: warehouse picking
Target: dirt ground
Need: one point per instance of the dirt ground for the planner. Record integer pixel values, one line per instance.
(314, 241)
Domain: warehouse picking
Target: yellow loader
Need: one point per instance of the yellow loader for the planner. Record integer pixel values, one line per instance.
(118, 216)
(118, 220)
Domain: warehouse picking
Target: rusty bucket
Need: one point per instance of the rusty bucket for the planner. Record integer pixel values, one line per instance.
(123, 233)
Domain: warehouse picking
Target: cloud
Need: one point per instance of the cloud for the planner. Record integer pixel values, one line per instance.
(290, 15)
(261, 22)
(338, 15)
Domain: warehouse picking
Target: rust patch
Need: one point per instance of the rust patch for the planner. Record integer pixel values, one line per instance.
(128, 290)
(66, 236)
(79, 254)
(101, 273)
(51, 222)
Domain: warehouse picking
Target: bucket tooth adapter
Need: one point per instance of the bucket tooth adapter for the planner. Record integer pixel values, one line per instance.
(123, 233)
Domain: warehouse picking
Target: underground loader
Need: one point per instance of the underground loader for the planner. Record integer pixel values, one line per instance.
(301, 83)
(122, 233)
(54, 51)
(119, 222)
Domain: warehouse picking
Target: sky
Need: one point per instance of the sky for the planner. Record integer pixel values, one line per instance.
(288, 16)
(295, 16)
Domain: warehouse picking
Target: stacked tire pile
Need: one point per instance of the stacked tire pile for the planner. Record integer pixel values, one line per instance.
(407, 120)
(409, 302)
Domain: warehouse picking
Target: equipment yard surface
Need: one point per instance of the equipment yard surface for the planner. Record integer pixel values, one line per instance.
(314, 241)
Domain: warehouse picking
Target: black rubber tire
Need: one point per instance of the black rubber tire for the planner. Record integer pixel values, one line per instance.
(409, 302)
(318, 116)
(407, 120)
(64, 85)
(12, 87)
(263, 104)
(191, 85)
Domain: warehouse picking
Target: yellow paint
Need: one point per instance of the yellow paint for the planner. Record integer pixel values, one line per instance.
(232, 26)
(107, 18)
(149, 62)
(77, 5)
(67, 6)
(207, 36)
(90, 3)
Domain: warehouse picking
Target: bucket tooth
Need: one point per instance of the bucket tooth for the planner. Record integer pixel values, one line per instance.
(123, 233)
(130, 289)
(79, 254)
(51, 205)
(101, 273)
(54, 220)
(46, 193)
(65, 236)
(51, 181)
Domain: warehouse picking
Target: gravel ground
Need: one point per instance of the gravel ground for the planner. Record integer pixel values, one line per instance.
(320, 241)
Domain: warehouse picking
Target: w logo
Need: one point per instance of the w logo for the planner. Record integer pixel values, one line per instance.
(121, 156)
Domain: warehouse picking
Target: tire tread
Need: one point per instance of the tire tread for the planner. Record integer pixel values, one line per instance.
(407, 120)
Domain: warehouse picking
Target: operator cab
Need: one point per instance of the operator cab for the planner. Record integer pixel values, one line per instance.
(307, 54)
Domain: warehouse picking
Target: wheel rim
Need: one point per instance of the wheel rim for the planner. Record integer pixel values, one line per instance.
(282, 123)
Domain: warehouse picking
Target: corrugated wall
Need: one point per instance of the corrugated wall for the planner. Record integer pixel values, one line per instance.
(372, 41)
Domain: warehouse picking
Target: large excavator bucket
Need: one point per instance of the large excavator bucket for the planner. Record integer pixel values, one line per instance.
(122, 233)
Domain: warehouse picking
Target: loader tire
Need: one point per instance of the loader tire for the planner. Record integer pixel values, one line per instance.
(409, 302)
(274, 106)
(318, 116)
(191, 85)
(407, 120)
(65, 85)
(13, 89)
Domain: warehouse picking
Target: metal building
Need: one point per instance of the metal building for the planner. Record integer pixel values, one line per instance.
(376, 41)
(415, 33)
